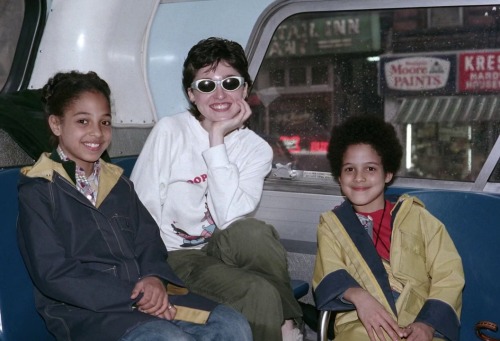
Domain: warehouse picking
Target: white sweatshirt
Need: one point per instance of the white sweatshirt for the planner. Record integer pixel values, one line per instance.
(190, 188)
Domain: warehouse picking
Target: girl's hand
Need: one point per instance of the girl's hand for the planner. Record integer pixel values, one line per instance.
(154, 300)
(170, 313)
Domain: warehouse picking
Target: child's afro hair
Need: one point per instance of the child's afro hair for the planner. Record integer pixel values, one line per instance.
(368, 129)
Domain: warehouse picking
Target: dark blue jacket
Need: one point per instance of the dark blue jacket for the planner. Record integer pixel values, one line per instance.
(85, 260)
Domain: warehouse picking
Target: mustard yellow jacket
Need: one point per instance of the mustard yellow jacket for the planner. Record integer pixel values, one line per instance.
(423, 259)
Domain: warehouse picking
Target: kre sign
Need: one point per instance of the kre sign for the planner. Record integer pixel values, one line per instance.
(479, 71)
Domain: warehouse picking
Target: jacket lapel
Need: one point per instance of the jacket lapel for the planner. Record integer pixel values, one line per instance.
(345, 213)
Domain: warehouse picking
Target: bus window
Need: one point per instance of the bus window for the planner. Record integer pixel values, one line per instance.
(11, 18)
(434, 73)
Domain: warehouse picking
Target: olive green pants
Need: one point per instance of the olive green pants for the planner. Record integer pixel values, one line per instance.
(245, 267)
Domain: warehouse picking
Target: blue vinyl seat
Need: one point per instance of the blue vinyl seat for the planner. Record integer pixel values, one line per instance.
(19, 319)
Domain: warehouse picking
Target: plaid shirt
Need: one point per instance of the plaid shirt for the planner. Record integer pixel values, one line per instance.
(86, 185)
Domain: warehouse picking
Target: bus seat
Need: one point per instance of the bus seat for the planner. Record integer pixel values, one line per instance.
(472, 222)
(125, 162)
(300, 288)
(19, 318)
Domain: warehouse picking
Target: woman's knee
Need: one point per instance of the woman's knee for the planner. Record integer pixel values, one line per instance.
(252, 245)
(253, 228)
(262, 293)
(251, 237)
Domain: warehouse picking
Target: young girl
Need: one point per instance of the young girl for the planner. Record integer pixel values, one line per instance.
(92, 250)
(390, 271)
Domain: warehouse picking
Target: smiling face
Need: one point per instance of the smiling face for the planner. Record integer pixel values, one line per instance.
(220, 104)
(84, 132)
(363, 179)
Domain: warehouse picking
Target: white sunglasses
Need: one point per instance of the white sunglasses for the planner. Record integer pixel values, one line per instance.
(209, 85)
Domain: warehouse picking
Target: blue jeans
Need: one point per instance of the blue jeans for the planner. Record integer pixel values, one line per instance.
(223, 324)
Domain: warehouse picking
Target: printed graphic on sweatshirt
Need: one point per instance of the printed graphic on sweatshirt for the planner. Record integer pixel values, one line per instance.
(208, 230)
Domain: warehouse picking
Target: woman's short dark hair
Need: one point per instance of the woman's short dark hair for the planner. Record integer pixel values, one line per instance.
(370, 130)
(210, 52)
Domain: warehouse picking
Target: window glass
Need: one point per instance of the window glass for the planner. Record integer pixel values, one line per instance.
(11, 18)
(319, 75)
(434, 73)
(277, 77)
(297, 76)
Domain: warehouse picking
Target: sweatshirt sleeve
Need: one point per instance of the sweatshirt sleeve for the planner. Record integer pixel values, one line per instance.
(235, 187)
(151, 171)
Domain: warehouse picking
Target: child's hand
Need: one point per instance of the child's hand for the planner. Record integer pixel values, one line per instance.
(170, 313)
(418, 331)
(373, 315)
(154, 300)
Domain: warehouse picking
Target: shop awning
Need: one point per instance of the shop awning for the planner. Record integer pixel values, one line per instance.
(448, 109)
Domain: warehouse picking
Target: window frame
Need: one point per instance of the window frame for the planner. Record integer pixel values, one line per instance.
(309, 182)
(34, 19)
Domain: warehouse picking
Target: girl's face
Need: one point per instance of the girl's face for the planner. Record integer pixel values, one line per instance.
(363, 179)
(84, 132)
(220, 104)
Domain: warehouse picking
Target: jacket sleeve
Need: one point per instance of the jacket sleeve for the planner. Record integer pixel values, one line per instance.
(235, 188)
(55, 274)
(330, 277)
(444, 265)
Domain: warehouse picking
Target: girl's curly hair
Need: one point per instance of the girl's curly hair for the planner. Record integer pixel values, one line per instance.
(65, 87)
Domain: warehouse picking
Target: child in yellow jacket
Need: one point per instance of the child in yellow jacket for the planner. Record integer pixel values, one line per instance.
(390, 271)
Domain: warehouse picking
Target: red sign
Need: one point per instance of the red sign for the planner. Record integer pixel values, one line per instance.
(319, 146)
(292, 143)
(479, 71)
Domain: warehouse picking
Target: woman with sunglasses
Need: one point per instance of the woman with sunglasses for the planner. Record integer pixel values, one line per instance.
(200, 174)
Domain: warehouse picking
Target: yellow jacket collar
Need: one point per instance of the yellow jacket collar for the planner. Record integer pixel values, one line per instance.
(45, 168)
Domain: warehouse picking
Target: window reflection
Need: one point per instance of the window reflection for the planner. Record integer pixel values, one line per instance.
(432, 72)
(319, 75)
(11, 15)
(277, 77)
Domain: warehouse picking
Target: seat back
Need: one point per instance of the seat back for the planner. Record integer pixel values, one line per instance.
(19, 318)
(125, 162)
(472, 220)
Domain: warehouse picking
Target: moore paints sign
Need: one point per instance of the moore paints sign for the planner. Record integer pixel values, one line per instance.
(415, 75)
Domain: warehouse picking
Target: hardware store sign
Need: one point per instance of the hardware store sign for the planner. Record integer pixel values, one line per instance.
(479, 71)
